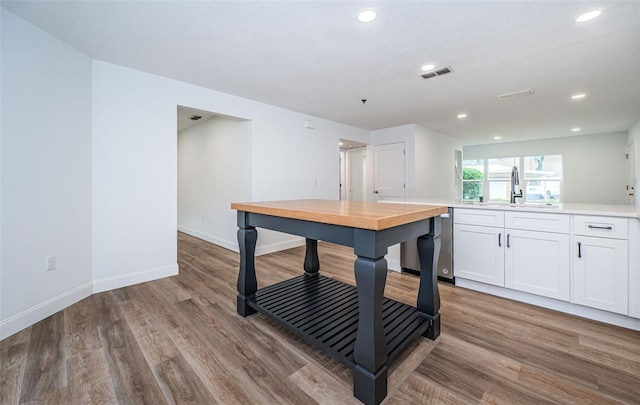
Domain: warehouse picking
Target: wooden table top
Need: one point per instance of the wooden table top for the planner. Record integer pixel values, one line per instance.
(356, 214)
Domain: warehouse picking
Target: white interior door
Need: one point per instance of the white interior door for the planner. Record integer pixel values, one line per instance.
(389, 172)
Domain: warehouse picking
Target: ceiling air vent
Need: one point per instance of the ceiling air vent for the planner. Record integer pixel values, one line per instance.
(521, 93)
(195, 117)
(437, 72)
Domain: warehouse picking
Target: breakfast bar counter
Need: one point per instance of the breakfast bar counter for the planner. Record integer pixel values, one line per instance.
(356, 326)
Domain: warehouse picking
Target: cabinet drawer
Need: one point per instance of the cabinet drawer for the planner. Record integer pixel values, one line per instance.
(533, 221)
(473, 216)
(604, 227)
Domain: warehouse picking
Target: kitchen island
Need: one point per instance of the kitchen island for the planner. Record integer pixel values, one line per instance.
(356, 326)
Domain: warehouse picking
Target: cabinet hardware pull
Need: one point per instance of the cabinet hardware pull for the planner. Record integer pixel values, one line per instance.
(500, 239)
(508, 240)
(608, 228)
(579, 249)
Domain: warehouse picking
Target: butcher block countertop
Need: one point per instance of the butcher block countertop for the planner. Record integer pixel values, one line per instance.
(356, 214)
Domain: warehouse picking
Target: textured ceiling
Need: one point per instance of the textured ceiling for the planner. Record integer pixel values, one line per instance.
(314, 57)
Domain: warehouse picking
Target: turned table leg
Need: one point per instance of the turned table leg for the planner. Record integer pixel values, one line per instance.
(428, 295)
(370, 351)
(311, 261)
(247, 282)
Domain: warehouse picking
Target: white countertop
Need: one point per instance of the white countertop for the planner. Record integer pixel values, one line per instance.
(610, 210)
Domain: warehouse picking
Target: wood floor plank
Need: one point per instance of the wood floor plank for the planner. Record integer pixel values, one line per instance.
(218, 377)
(180, 340)
(133, 380)
(418, 389)
(271, 385)
(323, 386)
(184, 385)
(46, 361)
(14, 358)
(90, 380)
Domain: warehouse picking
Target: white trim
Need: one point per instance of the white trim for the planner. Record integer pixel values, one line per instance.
(111, 283)
(279, 246)
(393, 264)
(36, 313)
(233, 246)
(550, 303)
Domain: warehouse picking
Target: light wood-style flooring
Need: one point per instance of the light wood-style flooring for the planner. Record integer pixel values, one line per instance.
(179, 340)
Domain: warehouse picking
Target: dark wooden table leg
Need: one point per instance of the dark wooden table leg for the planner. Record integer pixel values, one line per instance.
(247, 282)
(311, 261)
(370, 352)
(428, 295)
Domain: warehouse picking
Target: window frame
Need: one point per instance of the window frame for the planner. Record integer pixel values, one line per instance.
(520, 164)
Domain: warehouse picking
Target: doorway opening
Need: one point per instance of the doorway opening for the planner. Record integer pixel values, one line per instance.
(213, 171)
(353, 170)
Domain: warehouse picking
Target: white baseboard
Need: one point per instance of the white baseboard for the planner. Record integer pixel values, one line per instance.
(142, 276)
(393, 264)
(44, 309)
(278, 246)
(233, 246)
(550, 303)
(295, 241)
(49, 307)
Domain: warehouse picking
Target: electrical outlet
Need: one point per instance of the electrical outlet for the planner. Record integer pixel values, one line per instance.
(51, 263)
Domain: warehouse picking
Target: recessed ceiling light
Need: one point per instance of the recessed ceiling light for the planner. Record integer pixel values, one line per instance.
(368, 15)
(575, 129)
(578, 96)
(340, 143)
(588, 16)
(497, 137)
(463, 115)
(428, 67)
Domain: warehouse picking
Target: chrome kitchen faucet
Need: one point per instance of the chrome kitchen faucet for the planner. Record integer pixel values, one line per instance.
(515, 180)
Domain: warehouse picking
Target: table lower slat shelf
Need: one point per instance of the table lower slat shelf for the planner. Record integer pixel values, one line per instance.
(324, 313)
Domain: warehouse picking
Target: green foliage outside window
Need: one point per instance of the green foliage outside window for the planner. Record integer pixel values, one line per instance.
(471, 190)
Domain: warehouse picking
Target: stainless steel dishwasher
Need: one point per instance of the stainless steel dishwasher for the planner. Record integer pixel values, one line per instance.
(409, 251)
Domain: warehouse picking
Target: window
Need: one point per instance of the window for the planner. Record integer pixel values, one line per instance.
(472, 179)
(543, 177)
(499, 178)
(540, 178)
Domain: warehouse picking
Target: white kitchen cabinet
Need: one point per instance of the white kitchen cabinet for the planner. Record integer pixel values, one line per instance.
(479, 253)
(522, 251)
(538, 263)
(600, 271)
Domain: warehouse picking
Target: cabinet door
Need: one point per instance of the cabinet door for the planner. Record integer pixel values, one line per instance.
(538, 263)
(600, 273)
(478, 253)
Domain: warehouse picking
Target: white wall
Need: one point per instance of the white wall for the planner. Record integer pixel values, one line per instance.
(288, 161)
(429, 160)
(434, 165)
(134, 177)
(634, 138)
(594, 165)
(214, 170)
(46, 174)
(89, 171)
